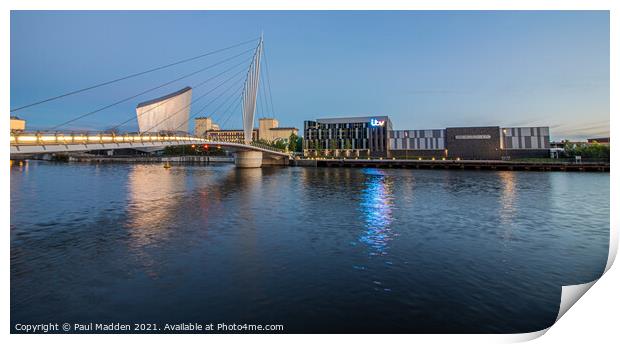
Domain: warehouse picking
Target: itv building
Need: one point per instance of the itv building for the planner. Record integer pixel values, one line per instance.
(351, 136)
(373, 136)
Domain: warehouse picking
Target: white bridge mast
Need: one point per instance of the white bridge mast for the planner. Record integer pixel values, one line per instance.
(250, 91)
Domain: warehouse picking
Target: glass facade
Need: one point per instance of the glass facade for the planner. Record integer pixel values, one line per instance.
(366, 135)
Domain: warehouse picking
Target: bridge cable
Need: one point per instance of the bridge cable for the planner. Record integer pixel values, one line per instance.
(202, 83)
(231, 113)
(193, 101)
(263, 97)
(267, 92)
(211, 102)
(268, 80)
(261, 106)
(149, 90)
(135, 117)
(263, 89)
(188, 105)
(230, 97)
(227, 111)
(131, 76)
(235, 109)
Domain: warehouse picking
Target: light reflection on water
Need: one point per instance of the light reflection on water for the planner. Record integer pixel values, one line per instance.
(376, 207)
(507, 203)
(153, 196)
(151, 201)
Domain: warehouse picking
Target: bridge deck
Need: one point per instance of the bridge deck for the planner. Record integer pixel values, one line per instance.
(36, 143)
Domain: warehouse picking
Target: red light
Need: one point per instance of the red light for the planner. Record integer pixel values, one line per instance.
(206, 146)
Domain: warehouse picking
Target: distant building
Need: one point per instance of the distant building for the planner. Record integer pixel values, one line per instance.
(417, 143)
(601, 140)
(486, 143)
(229, 135)
(350, 136)
(373, 137)
(204, 124)
(478, 143)
(269, 130)
(17, 124)
(169, 113)
(525, 142)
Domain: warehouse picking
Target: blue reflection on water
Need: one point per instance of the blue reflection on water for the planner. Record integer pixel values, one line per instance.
(376, 207)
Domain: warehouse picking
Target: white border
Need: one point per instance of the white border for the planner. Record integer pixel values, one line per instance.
(594, 317)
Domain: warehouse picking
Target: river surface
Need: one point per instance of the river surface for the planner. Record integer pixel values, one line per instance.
(318, 250)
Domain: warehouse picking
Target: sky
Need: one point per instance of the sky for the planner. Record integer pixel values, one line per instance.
(424, 69)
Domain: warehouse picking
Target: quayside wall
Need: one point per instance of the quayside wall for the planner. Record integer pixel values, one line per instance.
(458, 164)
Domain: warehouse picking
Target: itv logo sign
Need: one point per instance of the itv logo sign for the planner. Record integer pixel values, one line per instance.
(376, 123)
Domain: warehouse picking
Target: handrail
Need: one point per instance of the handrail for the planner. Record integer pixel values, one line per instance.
(44, 138)
(267, 147)
(21, 138)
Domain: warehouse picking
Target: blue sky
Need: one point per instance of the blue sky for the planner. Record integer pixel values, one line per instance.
(424, 69)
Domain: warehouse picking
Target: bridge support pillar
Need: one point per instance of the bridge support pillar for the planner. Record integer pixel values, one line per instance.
(248, 159)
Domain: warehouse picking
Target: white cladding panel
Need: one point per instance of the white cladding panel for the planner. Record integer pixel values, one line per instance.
(417, 139)
(525, 138)
(169, 114)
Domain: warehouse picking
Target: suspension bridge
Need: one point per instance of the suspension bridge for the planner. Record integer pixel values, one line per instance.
(234, 86)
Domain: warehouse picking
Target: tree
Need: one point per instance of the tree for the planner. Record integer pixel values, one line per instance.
(280, 144)
(300, 144)
(347, 144)
(587, 150)
(333, 147)
(333, 144)
(292, 142)
(317, 148)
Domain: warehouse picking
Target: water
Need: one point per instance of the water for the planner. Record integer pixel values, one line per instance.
(317, 250)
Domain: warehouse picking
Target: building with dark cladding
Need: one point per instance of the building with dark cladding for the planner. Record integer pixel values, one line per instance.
(348, 137)
(475, 143)
(478, 143)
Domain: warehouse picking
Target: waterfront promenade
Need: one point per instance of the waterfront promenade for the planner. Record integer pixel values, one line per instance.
(499, 165)
(459, 164)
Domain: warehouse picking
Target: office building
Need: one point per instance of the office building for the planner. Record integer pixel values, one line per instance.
(269, 130)
(204, 124)
(350, 136)
(229, 135)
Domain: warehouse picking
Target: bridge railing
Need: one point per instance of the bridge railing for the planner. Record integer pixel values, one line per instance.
(59, 138)
(267, 147)
(41, 138)
(253, 143)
